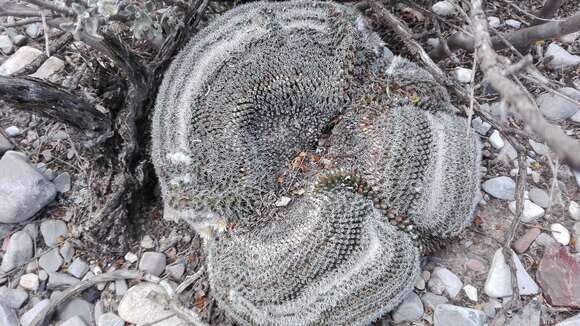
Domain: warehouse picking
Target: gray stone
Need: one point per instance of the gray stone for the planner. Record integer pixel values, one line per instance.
(152, 262)
(19, 251)
(110, 319)
(32, 230)
(443, 8)
(513, 23)
(529, 316)
(78, 268)
(121, 287)
(175, 272)
(49, 69)
(138, 306)
(52, 231)
(561, 59)
(572, 321)
(60, 280)
(6, 45)
(19, 39)
(498, 283)
(13, 298)
(67, 251)
(431, 300)
(34, 30)
(539, 148)
(51, 261)
(23, 190)
(443, 279)
(74, 321)
(147, 242)
(23, 57)
(500, 187)
(539, 197)
(555, 107)
(62, 182)
(531, 212)
(450, 315)
(545, 240)
(76, 307)
(29, 316)
(8, 316)
(5, 144)
(410, 309)
(480, 126)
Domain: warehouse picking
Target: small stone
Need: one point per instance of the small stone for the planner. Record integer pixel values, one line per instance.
(560, 233)
(78, 268)
(475, 265)
(500, 187)
(555, 107)
(153, 263)
(120, 287)
(443, 8)
(523, 243)
(433, 42)
(447, 315)
(51, 261)
(29, 282)
(23, 57)
(13, 298)
(493, 22)
(495, 140)
(176, 271)
(529, 316)
(572, 321)
(8, 316)
(147, 242)
(509, 151)
(490, 307)
(498, 283)
(444, 279)
(74, 321)
(6, 45)
(60, 280)
(283, 201)
(67, 251)
(18, 252)
(561, 59)
(110, 319)
(463, 75)
(420, 284)
(5, 145)
(52, 231)
(574, 210)
(431, 300)
(545, 240)
(530, 213)
(62, 182)
(139, 307)
(131, 257)
(19, 40)
(513, 23)
(559, 276)
(539, 197)
(480, 126)
(539, 148)
(410, 309)
(76, 307)
(470, 292)
(29, 316)
(49, 69)
(42, 275)
(34, 30)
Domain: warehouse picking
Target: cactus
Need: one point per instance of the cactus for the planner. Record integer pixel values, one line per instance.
(266, 82)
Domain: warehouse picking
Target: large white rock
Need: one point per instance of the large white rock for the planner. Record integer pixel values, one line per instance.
(495, 140)
(139, 306)
(24, 56)
(444, 279)
(499, 284)
(443, 8)
(531, 211)
(561, 59)
(560, 233)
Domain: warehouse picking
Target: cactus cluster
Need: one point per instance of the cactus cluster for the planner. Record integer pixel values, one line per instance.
(266, 82)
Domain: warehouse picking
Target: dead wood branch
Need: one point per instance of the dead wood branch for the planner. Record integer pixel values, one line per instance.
(548, 11)
(516, 97)
(521, 39)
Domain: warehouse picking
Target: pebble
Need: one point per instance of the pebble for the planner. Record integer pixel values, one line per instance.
(62, 182)
(34, 30)
(522, 244)
(147, 242)
(49, 69)
(475, 265)
(78, 268)
(495, 140)
(555, 107)
(431, 300)
(410, 309)
(443, 8)
(530, 213)
(67, 251)
(8, 316)
(493, 21)
(539, 148)
(480, 126)
(29, 282)
(420, 284)
(561, 59)
(498, 282)
(23, 190)
(13, 298)
(529, 316)
(176, 271)
(470, 292)
(513, 23)
(6, 45)
(18, 252)
(545, 240)
(433, 42)
(139, 307)
(500, 187)
(283, 201)
(23, 57)
(110, 319)
(120, 287)
(51, 261)
(60, 280)
(76, 307)
(52, 231)
(462, 75)
(560, 233)
(443, 279)
(74, 321)
(572, 321)
(29, 316)
(540, 197)
(5, 144)
(19, 40)
(446, 315)
(131, 257)
(574, 210)
(153, 263)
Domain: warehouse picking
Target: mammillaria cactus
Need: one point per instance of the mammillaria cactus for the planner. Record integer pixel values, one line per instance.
(299, 99)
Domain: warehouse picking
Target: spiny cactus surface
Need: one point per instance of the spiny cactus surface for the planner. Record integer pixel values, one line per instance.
(299, 99)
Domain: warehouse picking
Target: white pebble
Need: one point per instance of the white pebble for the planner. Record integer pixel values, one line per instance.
(560, 233)
(495, 140)
(493, 22)
(462, 75)
(513, 23)
(29, 282)
(470, 292)
(443, 8)
(13, 131)
(530, 213)
(283, 201)
(574, 210)
(131, 257)
(561, 58)
(433, 42)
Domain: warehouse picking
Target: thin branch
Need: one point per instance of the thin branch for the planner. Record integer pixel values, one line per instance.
(22, 22)
(52, 6)
(548, 11)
